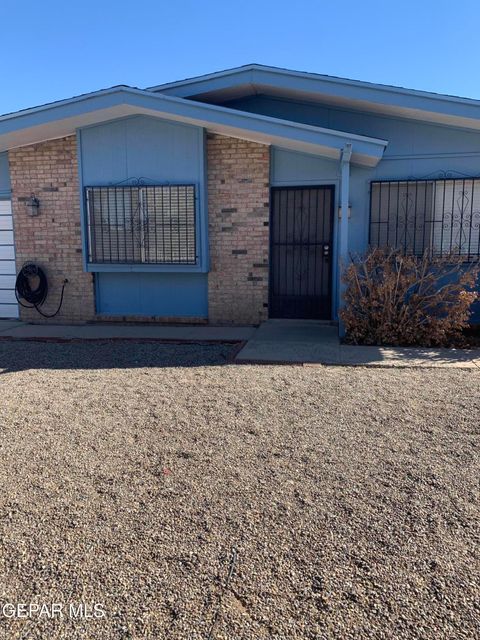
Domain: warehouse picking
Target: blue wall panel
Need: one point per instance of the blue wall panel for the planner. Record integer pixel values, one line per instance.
(4, 175)
(405, 137)
(138, 147)
(152, 294)
(290, 168)
(160, 152)
(415, 150)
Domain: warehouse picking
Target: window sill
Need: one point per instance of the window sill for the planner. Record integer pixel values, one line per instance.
(157, 268)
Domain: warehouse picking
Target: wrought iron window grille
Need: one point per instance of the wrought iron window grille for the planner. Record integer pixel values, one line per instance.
(441, 216)
(140, 223)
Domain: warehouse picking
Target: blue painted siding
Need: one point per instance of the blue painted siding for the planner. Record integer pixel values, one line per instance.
(415, 150)
(288, 168)
(156, 150)
(141, 147)
(406, 137)
(180, 295)
(4, 176)
(161, 152)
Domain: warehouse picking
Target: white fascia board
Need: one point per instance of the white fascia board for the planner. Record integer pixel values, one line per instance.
(414, 103)
(64, 118)
(210, 81)
(389, 100)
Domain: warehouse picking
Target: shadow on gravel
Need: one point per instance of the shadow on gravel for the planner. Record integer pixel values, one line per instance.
(21, 355)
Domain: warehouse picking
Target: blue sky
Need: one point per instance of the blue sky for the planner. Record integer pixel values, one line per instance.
(51, 50)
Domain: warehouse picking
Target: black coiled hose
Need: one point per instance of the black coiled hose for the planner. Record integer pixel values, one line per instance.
(34, 296)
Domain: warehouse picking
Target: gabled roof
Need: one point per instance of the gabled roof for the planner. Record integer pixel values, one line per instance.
(312, 87)
(62, 118)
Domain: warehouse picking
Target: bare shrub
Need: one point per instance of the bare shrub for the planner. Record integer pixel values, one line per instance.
(394, 299)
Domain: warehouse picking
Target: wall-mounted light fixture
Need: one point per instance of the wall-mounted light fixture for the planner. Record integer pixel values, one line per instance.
(33, 205)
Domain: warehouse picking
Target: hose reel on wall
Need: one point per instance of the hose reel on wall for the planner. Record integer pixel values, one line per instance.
(31, 285)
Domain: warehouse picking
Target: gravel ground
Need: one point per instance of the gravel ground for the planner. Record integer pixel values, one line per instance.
(341, 502)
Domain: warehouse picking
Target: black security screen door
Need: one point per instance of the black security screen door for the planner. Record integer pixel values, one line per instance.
(300, 252)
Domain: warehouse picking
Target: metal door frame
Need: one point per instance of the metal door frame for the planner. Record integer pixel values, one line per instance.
(327, 186)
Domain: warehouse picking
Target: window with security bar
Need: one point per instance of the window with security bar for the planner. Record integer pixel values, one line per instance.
(439, 216)
(142, 224)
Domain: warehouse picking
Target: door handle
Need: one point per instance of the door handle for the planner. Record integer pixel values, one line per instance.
(326, 250)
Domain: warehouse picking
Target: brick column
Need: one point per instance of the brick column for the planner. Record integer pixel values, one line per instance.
(53, 238)
(238, 218)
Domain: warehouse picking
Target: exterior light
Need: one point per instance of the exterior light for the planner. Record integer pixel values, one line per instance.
(33, 205)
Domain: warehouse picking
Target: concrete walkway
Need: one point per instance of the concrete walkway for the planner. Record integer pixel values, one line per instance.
(11, 329)
(275, 341)
(310, 342)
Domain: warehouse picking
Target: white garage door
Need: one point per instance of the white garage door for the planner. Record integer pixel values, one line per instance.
(8, 302)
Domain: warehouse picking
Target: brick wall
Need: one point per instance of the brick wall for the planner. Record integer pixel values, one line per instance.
(238, 204)
(238, 200)
(53, 238)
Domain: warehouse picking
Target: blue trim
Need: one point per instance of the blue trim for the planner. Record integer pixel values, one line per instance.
(200, 209)
(145, 268)
(331, 181)
(201, 215)
(203, 200)
(169, 106)
(296, 81)
(69, 113)
(83, 213)
(335, 235)
(240, 104)
(5, 186)
(201, 231)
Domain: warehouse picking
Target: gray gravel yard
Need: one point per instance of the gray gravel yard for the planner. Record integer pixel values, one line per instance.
(343, 501)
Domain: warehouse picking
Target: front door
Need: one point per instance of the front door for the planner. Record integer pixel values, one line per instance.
(301, 227)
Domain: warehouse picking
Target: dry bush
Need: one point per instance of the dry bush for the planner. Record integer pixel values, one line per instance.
(393, 299)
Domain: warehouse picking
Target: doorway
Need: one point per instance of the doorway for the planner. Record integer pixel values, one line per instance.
(301, 230)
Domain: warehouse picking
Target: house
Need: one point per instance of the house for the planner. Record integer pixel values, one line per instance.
(231, 197)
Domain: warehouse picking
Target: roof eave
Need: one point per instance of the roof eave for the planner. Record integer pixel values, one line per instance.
(64, 118)
(396, 101)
